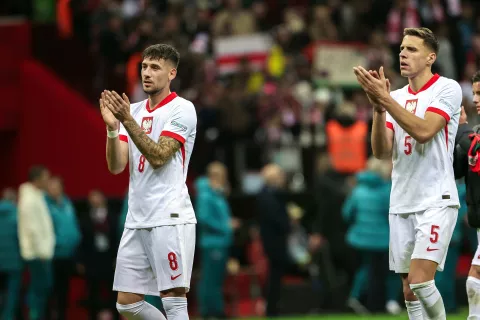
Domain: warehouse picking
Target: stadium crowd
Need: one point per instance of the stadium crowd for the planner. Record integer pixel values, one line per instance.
(257, 75)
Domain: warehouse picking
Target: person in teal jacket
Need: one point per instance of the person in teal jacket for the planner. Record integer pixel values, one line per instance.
(11, 263)
(445, 280)
(215, 237)
(366, 210)
(155, 301)
(67, 240)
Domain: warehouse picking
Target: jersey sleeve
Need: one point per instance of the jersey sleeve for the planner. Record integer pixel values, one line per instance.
(122, 133)
(181, 123)
(448, 101)
(389, 122)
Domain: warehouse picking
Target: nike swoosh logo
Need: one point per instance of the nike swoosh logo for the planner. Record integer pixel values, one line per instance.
(173, 278)
(431, 249)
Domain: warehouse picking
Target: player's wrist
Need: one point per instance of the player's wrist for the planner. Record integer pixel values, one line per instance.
(112, 133)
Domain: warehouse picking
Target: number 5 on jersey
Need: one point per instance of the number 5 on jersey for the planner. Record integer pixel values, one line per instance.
(141, 163)
(408, 145)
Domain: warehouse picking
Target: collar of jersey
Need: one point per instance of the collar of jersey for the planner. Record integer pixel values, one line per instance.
(427, 85)
(166, 100)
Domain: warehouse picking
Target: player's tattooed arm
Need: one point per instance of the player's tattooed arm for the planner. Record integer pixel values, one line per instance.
(156, 153)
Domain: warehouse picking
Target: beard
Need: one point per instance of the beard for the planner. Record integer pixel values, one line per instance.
(152, 90)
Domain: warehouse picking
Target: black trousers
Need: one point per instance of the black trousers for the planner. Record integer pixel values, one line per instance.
(274, 286)
(62, 273)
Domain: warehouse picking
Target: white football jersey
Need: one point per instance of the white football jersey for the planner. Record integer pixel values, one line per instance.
(160, 197)
(422, 174)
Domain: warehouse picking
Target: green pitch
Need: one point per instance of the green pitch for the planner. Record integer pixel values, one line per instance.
(458, 316)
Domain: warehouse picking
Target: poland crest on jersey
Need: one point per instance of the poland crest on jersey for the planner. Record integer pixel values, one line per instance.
(411, 105)
(147, 124)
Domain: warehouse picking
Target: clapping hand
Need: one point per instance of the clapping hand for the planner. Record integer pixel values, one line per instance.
(118, 106)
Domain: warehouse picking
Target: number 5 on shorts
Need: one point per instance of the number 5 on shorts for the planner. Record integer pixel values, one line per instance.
(434, 233)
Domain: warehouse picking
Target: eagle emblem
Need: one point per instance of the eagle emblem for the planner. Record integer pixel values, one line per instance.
(147, 124)
(411, 105)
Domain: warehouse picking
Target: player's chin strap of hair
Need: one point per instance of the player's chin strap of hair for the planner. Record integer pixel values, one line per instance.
(473, 153)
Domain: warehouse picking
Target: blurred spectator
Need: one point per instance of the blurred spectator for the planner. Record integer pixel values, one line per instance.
(366, 210)
(215, 235)
(402, 15)
(67, 239)
(112, 45)
(322, 27)
(37, 238)
(97, 253)
(274, 230)
(233, 20)
(446, 280)
(347, 139)
(327, 240)
(10, 260)
(445, 60)
(298, 237)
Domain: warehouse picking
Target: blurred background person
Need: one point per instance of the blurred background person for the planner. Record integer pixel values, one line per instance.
(67, 239)
(328, 235)
(37, 239)
(11, 264)
(446, 280)
(274, 223)
(215, 226)
(366, 211)
(97, 254)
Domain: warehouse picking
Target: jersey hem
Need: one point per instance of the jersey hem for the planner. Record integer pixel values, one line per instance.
(156, 224)
(405, 210)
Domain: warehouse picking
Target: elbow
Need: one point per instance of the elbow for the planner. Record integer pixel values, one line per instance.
(156, 163)
(115, 171)
(423, 137)
(381, 156)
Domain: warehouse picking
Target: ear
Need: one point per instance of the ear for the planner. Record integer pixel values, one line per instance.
(172, 74)
(431, 58)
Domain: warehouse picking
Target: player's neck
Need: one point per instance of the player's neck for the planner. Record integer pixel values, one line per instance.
(157, 98)
(416, 83)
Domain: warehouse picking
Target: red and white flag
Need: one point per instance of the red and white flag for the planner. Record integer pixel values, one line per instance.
(229, 51)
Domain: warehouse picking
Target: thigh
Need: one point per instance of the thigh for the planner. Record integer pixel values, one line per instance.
(402, 241)
(171, 253)
(433, 232)
(133, 272)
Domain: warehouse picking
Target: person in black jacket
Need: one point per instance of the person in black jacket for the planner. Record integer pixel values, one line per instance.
(465, 161)
(274, 231)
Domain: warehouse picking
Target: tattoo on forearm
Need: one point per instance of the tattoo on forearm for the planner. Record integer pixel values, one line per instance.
(156, 153)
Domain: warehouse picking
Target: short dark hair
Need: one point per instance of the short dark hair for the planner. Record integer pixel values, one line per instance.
(476, 77)
(162, 51)
(423, 33)
(36, 172)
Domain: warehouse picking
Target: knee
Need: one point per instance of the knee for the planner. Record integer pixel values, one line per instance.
(129, 311)
(474, 271)
(126, 298)
(419, 277)
(174, 293)
(408, 293)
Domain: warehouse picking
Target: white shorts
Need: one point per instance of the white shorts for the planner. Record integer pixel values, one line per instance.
(476, 257)
(421, 235)
(155, 259)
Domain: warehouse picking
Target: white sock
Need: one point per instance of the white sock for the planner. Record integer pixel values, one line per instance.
(414, 309)
(176, 308)
(473, 293)
(431, 300)
(140, 311)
